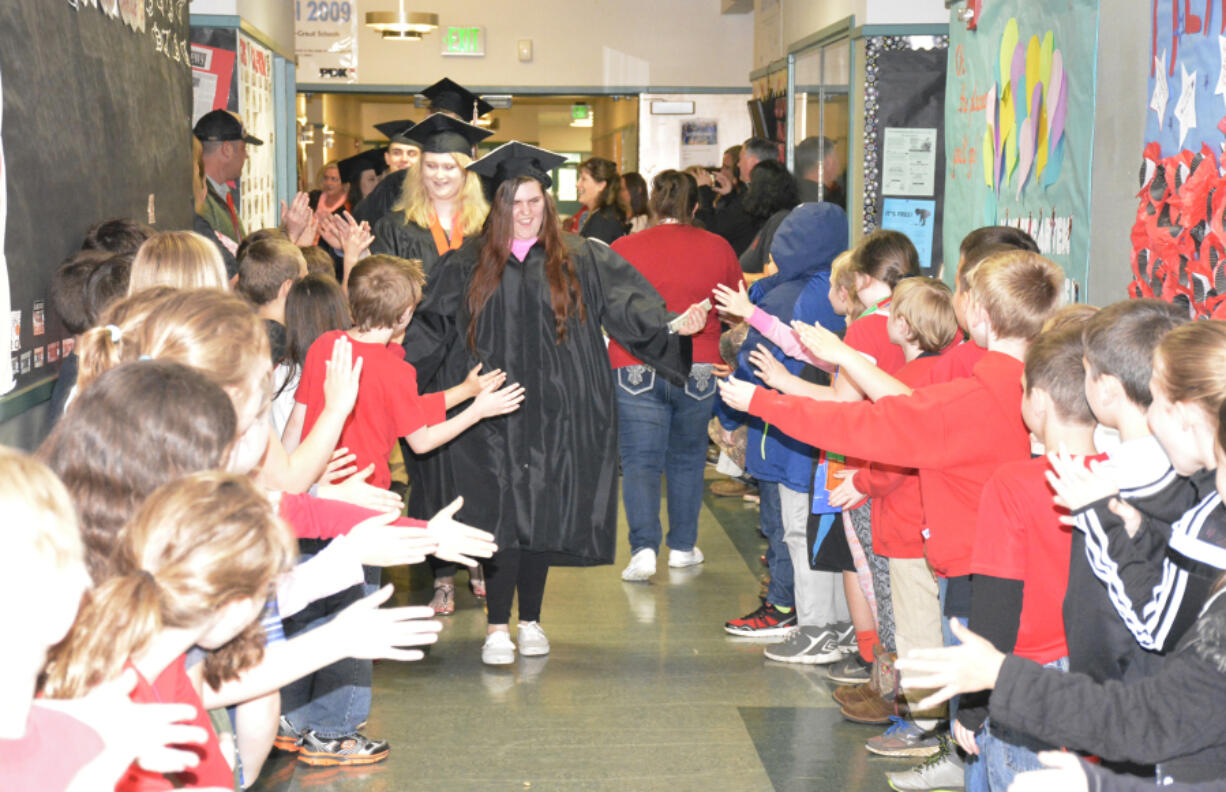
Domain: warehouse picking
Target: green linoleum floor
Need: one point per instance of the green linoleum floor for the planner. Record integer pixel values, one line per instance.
(643, 690)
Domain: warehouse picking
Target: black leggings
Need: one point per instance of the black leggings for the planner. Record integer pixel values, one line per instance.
(509, 571)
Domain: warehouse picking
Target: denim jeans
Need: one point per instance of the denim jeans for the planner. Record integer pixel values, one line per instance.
(662, 430)
(335, 699)
(780, 592)
(1005, 752)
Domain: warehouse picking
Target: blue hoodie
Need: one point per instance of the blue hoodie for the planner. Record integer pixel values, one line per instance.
(806, 243)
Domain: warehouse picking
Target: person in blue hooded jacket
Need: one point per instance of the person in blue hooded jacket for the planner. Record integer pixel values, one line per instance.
(804, 246)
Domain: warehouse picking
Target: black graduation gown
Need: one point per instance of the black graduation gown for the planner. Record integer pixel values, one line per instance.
(379, 203)
(544, 478)
(407, 240)
(604, 225)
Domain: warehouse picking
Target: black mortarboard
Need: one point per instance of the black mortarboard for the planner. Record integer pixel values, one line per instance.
(454, 98)
(219, 125)
(397, 131)
(514, 159)
(442, 134)
(351, 168)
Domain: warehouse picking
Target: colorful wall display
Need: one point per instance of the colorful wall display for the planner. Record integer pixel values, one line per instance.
(1019, 126)
(326, 41)
(1178, 239)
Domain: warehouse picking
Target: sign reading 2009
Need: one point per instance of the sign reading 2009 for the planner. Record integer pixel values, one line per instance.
(326, 40)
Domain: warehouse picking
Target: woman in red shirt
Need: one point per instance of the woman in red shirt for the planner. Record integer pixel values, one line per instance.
(662, 427)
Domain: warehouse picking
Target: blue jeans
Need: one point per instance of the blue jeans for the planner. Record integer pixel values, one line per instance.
(780, 593)
(1005, 752)
(662, 430)
(335, 699)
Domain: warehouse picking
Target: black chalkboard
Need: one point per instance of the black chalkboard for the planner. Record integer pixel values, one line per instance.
(97, 118)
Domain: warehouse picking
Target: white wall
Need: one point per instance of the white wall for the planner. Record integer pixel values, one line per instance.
(577, 43)
(904, 12)
(660, 135)
(780, 23)
(273, 18)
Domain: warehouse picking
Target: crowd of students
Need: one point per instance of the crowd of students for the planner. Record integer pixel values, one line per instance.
(998, 520)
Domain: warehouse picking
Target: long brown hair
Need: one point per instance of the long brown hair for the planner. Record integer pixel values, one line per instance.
(197, 545)
(601, 169)
(565, 294)
(134, 429)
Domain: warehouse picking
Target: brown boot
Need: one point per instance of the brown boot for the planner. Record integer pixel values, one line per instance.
(873, 710)
(854, 694)
(730, 488)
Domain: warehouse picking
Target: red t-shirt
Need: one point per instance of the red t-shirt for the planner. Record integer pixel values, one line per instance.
(684, 264)
(955, 433)
(388, 406)
(320, 518)
(174, 687)
(53, 750)
(1018, 536)
(956, 362)
(868, 335)
(898, 509)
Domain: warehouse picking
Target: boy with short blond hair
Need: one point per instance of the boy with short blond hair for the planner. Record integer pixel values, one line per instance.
(266, 271)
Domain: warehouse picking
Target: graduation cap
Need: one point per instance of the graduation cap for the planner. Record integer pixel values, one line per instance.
(351, 169)
(442, 134)
(397, 131)
(447, 95)
(514, 159)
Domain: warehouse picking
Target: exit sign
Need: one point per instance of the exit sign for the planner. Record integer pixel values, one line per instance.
(464, 40)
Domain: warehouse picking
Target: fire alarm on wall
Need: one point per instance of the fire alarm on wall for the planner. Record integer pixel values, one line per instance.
(524, 50)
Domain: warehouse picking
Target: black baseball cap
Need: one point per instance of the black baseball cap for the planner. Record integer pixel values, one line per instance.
(221, 125)
(514, 159)
(442, 134)
(448, 95)
(397, 131)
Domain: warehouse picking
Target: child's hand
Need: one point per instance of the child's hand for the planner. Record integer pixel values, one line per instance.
(1065, 775)
(341, 378)
(965, 737)
(377, 542)
(476, 382)
(734, 304)
(355, 490)
(369, 632)
(1077, 486)
(340, 467)
(457, 542)
(1130, 516)
(331, 229)
(845, 496)
(823, 344)
(130, 731)
(768, 369)
(296, 217)
(736, 393)
(355, 238)
(490, 402)
(955, 669)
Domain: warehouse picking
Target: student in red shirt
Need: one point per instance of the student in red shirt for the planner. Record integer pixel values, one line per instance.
(955, 433)
(1021, 558)
(192, 568)
(383, 291)
(662, 428)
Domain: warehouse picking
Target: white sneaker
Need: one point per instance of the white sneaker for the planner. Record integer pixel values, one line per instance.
(532, 640)
(685, 558)
(499, 649)
(642, 566)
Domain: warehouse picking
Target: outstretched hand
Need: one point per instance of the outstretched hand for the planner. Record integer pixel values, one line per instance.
(733, 304)
(297, 218)
(369, 632)
(476, 382)
(1075, 485)
(491, 402)
(823, 344)
(457, 542)
(355, 490)
(342, 377)
(736, 393)
(972, 666)
(768, 369)
(377, 542)
(845, 495)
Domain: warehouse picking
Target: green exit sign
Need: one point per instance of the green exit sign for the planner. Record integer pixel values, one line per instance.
(579, 112)
(464, 40)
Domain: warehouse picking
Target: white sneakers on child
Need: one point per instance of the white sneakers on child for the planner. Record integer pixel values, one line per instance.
(532, 640)
(685, 558)
(498, 649)
(641, 567)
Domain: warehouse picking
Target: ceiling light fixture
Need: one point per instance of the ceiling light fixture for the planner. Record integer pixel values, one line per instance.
(402, 25)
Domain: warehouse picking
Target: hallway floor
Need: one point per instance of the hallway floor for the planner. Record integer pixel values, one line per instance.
(643, 690)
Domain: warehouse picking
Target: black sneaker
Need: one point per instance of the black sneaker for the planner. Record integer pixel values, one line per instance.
(766, 621)
(355, 749)
(846, 632)
(851, 670)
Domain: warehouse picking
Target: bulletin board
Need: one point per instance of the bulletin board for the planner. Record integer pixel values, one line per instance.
(1178, 240)
(1019, 127)
(96, 123)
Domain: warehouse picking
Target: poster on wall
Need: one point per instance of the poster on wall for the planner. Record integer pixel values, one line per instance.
(914, 218)
(212, 71)
(257, 204)
(1178, 239)
(908, 161)
(326, 41)
(699, 143)
(1019, 127)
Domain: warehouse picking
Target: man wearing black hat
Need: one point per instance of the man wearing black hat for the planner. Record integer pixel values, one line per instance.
(224, 143)
(402, 152)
